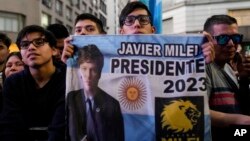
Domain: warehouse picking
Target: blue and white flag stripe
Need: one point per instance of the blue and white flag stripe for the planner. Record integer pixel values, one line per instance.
(155, 7)
(138, 70)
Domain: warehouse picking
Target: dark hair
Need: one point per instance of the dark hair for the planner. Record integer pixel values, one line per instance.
(216, 19)
(59, 30)
(5, 39)
(91, 53)
(234, 21)
(35, 28)
(87, 16)
(130, 7)
(17, 54)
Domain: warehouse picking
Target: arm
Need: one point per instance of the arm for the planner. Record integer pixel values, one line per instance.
(68, 49)
(221, 119)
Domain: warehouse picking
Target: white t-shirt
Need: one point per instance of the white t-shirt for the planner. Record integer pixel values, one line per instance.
(228, 69)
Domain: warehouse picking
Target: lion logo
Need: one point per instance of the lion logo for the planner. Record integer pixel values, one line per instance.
(180, 116)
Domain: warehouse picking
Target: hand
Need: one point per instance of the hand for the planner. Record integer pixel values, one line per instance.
(246, 63)
(68, 49)
(244, 69)
(208, 48)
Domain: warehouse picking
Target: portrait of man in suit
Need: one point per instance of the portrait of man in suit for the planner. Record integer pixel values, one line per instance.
(92, 114)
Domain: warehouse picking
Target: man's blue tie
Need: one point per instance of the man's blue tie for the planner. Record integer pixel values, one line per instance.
(92, 134)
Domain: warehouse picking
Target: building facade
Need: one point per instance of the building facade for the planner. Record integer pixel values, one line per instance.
(15, 14)
(114, 10)
(188, 16)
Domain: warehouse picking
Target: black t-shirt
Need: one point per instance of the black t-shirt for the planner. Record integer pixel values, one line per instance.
(27, 108)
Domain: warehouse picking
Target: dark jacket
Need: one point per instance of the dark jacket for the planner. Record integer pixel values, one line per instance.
(107, 110)
(28, 110)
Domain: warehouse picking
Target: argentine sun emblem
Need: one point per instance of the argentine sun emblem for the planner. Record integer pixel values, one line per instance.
(132, 93)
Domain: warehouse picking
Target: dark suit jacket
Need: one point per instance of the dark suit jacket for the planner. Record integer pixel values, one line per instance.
(107, 111)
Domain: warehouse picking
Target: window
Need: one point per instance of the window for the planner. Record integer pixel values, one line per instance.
(11, 22)
(46, 20)
(58, 21)
(94, 3)
(78, 4)
(168, 27)
(68, 13)
(76, 14)
(243, 19)
(47, 3)
(103, 7)
(84, 7)
(71, 2)
(242, 16)
(69, 28)
(90, 10)
(103, 19)
(59, 7)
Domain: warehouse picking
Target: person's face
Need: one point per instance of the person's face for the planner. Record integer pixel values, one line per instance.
(90, 75)
(224, 53)
(59, 48)
(86, 27)
(137, 27)
(4, 52)
(37, 53)
(13, 65)
(235, 29)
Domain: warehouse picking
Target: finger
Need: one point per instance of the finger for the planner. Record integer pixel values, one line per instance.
(68, 39)
(208, 36)
(208, 52)
(208, 57)
(70, 50)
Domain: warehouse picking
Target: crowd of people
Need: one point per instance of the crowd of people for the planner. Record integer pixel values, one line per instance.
(33, 81)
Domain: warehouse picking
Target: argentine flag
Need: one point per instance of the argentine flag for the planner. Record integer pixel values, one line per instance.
(159, 81)
(155, 7)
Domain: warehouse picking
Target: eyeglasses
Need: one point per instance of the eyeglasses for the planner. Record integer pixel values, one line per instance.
(36, 42)
(143, 20)
(224, 39)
